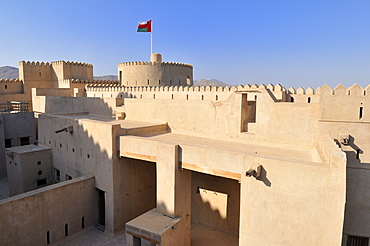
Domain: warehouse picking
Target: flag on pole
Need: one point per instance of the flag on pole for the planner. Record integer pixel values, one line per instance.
(145, 26)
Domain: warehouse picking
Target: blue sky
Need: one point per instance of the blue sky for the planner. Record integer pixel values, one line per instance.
(294, 43)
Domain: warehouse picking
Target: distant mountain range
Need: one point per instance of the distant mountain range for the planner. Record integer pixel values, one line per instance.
(209, 82)
(8, 72)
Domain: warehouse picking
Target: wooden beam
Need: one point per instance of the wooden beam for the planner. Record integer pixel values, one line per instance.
(138, 156)
(212, 171)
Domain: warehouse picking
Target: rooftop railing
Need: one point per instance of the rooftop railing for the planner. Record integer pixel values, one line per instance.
(14, 107)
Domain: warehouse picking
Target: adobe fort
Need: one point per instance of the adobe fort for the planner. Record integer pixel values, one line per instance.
(169, 163)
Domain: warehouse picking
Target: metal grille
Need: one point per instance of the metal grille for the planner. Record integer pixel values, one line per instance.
(357, 241)
(14, 107)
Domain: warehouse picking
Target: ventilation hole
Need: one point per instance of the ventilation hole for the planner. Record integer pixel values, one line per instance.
(39, 172)
(60, 145)
(88, 156)
(39, 163)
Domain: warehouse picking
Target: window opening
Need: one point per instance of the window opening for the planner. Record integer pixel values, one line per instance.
(25, 141)
(83, 222)
(6, 87)
(48, 237)
(292, 99)
(8, 143)
(68, 177)
(57, 175)
(357, 241)
(66, 229)
(309, 99)
(41, 182)
(216, 97)
(39, 172)
(361, 113)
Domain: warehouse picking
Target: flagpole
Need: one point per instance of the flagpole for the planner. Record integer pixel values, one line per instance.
(151, 36)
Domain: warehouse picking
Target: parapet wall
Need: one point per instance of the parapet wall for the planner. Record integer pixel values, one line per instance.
(11, 86)
(50, 214)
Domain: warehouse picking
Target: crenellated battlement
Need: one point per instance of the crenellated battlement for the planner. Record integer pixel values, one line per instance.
(33, 63)
(149, 63)
(72, 63)
(93, 82)
(10, 81)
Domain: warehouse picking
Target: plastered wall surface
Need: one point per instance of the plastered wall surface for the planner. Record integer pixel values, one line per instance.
(27, 218)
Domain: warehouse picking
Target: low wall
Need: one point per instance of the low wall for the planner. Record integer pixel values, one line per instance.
(42, 216)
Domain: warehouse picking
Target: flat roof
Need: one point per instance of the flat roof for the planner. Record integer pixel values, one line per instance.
(28, 148)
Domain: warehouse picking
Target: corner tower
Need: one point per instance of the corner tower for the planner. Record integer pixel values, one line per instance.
(155, 73)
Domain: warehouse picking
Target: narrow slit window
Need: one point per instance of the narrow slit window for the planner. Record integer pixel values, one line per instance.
(83, 222)
(48, 237)
(66, 229)
(361, 113)
(292, 99)
(309, 99)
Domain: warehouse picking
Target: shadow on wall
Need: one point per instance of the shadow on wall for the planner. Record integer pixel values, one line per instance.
(215, 203)
(355, 154)
(263, 177)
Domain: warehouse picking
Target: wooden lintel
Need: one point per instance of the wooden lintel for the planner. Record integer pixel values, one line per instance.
(139, 156)
(212, 171)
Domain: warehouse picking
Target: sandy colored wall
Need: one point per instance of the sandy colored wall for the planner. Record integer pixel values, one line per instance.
(204, 213)
(89, 150)
(154, 74)
(57, 105)
(136, 187)
(14, 126)
(11, 86)
(24, 170)
(38, 210)
(292, 204)
(274, 121)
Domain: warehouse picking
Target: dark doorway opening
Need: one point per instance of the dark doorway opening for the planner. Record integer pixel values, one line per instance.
(101, 209)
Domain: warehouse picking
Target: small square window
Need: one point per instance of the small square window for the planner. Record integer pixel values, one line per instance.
(39, 163)
(41, 182)
(25, 141)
